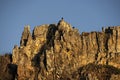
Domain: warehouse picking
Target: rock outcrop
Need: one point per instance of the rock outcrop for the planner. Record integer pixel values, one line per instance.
(60, 52)
(8, 71)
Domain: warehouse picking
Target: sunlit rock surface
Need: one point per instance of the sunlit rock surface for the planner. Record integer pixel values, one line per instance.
(60, 52)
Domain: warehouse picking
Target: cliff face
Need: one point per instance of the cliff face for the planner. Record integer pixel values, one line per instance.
(59, 52)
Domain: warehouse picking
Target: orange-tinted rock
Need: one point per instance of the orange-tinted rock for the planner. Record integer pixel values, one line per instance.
(55, 52)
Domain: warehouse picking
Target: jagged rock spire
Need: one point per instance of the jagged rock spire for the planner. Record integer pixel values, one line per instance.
(58, 52)
(26, 36)
(64, 26)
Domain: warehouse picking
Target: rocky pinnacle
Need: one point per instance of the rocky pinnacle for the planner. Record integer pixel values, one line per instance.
(60, 52)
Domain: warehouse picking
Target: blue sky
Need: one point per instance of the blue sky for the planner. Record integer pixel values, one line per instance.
(86, 15)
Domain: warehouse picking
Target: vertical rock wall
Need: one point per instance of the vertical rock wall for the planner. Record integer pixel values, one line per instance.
(55, 52)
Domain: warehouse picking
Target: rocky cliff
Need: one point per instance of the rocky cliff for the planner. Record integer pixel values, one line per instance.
(60, 52)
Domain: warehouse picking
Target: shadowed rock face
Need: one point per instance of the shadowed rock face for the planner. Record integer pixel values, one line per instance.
(59, 52)
(7, 69)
